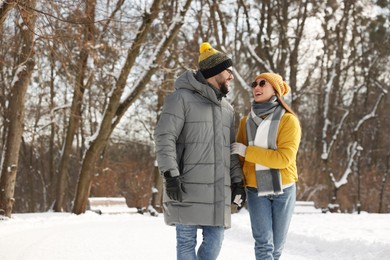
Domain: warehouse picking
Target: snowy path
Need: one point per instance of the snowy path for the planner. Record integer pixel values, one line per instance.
(49, 236)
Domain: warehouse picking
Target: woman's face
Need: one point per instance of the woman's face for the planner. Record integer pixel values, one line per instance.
(262, 90)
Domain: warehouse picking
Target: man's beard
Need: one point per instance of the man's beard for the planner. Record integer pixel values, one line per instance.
(224, 89)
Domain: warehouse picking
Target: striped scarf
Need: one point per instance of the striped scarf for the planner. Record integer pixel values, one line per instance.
(262, 132)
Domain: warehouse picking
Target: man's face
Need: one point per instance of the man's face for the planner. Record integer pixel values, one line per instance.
(223, 80)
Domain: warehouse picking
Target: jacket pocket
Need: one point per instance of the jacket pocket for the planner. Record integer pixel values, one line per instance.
(181, 162)
(180, 157)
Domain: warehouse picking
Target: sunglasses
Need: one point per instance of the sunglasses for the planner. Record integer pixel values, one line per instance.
(261, 83)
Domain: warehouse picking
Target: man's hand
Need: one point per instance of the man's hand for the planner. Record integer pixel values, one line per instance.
(238, 194)
(173, 186)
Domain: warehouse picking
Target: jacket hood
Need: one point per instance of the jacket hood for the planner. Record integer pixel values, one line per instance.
(187, 80)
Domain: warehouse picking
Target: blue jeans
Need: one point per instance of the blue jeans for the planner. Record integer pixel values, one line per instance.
(270, 219)
(186, 242)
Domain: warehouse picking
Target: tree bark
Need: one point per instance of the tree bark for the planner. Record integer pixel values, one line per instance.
(75, 111)
(15, 112)
(97, 145)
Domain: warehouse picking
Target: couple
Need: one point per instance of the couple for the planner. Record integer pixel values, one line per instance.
(206, 170)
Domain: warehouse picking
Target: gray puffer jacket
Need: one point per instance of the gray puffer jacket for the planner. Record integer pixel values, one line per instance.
(193, 138)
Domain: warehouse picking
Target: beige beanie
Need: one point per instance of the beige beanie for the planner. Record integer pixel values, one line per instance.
(276, 81)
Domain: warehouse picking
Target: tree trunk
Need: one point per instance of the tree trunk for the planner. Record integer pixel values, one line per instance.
(97, 145)
(75, 111)
(15, 112)
(115, 109)
(382, 193)
(52, 167)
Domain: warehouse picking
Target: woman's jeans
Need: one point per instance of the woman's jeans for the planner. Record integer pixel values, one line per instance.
(270, 219)
(186, 242)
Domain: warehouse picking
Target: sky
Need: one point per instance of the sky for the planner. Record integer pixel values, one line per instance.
(64, 236)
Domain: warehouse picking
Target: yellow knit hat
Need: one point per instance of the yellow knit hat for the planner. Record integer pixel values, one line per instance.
(211, 61)
(276, 81)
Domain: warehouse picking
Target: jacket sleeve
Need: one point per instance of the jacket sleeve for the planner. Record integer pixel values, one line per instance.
(288, 139)
(235, 165)
(167, 132)
(241, 136)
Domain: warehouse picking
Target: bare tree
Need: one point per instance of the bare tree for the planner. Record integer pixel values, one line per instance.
(15, 111)
(340, 111)
(116, 109)
(75, 110)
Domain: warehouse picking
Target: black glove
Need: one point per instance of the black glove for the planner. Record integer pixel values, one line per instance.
(238, 194)
(173, 186)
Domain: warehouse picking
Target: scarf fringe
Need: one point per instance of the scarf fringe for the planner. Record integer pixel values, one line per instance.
(270, 193)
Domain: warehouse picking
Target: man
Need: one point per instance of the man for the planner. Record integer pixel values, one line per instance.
(193, 138)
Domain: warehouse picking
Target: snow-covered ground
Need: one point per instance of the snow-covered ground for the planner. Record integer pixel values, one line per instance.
(131, 236)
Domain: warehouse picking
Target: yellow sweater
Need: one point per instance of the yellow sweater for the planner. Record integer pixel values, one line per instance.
(283, 158)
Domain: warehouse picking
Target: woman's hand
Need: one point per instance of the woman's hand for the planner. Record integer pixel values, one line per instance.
(238, 148)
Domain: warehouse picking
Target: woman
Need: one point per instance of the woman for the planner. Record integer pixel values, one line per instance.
(268, 140)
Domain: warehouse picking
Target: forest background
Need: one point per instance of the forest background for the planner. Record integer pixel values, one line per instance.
(82, 84)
